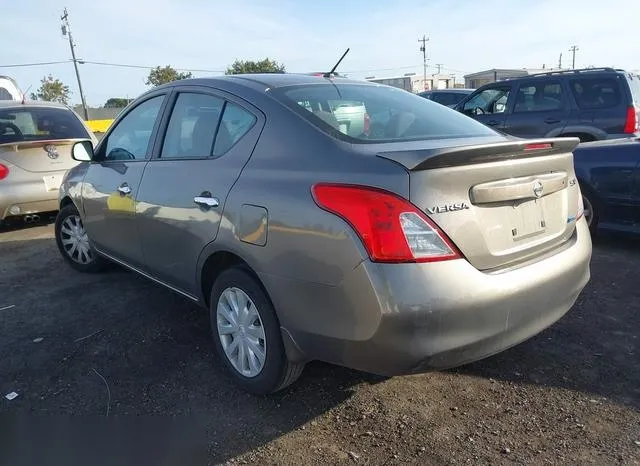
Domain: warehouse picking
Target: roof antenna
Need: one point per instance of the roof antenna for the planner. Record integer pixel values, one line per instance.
(24, 94)
(330, 73)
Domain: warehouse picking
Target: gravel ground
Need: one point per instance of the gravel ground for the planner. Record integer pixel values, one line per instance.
(73, 344)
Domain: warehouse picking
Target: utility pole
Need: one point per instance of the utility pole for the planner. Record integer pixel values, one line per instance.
(573, 50)
(423, 49)
(560, 62)
(66, 31)
(439, 66)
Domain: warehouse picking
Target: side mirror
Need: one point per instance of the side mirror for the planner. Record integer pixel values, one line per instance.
(82, 151)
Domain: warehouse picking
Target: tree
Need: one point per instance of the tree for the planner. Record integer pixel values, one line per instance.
(117, 102)
(262, 66)
(53, 90)
(165, 74)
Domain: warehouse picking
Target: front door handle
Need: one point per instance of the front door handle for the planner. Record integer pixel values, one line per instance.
(493, 122)
(124, 189)
(205, 199)
(551, 121)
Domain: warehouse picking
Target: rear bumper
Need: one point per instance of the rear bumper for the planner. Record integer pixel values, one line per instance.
(26, 197)
(419, 317)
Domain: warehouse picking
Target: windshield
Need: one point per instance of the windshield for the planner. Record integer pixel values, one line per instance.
(20, 124)
(366, 113)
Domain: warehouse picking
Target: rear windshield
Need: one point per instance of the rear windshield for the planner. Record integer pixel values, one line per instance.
(38, 124)
(634, 85)
(367, 113)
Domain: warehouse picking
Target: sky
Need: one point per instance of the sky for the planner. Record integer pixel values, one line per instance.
(465, 36)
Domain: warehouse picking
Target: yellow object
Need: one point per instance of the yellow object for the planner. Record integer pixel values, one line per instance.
(116, 202)
(99, 126)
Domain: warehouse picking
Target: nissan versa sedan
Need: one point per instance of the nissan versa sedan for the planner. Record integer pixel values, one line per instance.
(433, 242)
(35, 153)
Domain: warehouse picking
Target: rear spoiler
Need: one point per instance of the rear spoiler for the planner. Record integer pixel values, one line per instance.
(26, 144)
(426, 159)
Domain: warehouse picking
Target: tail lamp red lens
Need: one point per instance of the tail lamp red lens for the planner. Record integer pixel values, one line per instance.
(631, 123)
(4, 171)
(390, 227)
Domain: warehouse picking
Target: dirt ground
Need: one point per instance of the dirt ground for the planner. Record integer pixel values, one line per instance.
(117, 345)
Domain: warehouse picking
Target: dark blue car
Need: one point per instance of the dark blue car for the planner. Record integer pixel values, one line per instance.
(609, 177)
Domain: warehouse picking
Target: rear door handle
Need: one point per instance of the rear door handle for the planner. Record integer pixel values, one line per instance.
(493, 122)
(205, 199)
(124, 189)
(551, 121)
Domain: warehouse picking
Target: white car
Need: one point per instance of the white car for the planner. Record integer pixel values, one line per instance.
(9, 89)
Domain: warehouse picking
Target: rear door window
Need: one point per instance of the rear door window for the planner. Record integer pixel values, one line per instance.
(39, 124)
(361, 113)
(192, 126)
(539, 97)
(596, 93)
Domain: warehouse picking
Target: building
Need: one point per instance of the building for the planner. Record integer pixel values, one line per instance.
(415, 83)
(475, 80)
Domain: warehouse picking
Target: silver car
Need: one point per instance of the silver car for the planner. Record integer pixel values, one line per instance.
(35, 153)
(430, 243)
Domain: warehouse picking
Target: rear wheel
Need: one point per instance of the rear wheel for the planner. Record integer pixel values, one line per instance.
(73, 242)
(247, 335)
(590, 214)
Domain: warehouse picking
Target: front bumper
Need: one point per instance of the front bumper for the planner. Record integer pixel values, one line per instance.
(419, 317)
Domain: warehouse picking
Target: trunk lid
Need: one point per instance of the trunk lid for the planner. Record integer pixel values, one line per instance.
(39, 156)
(501, 203)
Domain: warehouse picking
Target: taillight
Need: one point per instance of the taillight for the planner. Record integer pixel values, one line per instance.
(4, 171)
(367, 123)
(631, 124)
(390, 227)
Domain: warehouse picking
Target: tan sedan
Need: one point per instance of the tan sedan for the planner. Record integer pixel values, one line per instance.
(35, 154)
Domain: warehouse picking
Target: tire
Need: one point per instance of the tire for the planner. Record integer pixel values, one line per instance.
(90, 261)
(590, 211)
(276, 371)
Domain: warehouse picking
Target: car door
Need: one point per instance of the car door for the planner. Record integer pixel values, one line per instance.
(489, 105)
(208, 138)
(541, 109)
(110, 186)
(611, 171)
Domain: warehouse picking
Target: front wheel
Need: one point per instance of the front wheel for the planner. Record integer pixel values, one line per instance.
(73, 242)
(247, 335)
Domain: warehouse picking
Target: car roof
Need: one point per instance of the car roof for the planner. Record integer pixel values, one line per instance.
(271, 80)
(452, 89)
(31, 104)
(584, 72)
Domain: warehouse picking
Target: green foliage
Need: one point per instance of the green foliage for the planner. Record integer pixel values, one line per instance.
(165, 74)
(52, 90)
(262, 66)
(117, 102)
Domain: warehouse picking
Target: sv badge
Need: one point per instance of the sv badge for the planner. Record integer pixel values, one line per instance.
(443, 209)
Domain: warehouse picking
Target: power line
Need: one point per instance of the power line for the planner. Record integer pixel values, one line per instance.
(125, 65)
(43, 63)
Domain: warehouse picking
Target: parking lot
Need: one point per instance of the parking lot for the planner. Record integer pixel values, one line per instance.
(117, 344)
